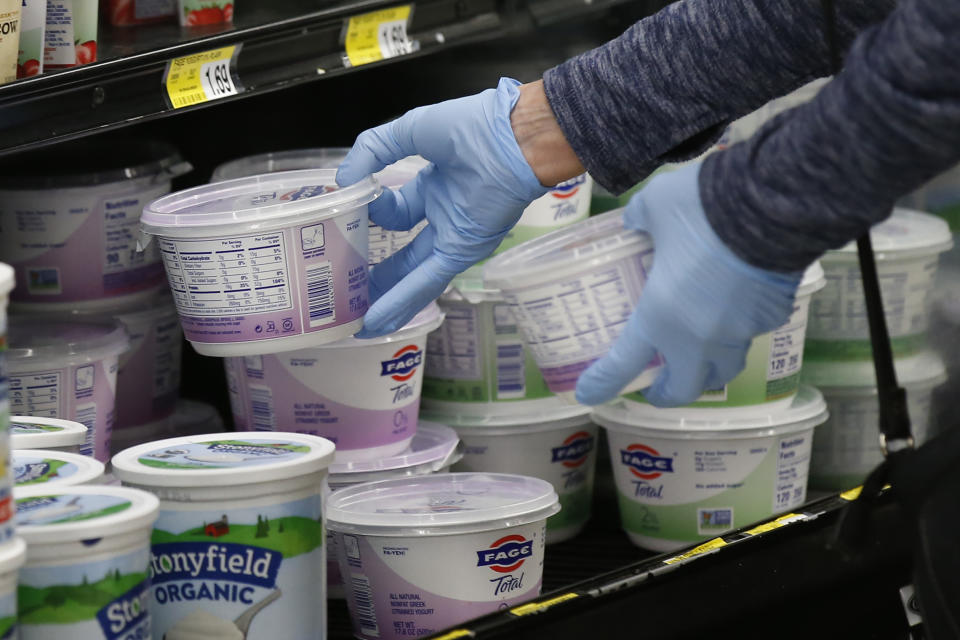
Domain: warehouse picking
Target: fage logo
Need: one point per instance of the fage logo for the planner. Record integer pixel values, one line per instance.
(403, 365)
(645, 462)
(574, 451)
(309, 191)
(569, 188)
(506, 554)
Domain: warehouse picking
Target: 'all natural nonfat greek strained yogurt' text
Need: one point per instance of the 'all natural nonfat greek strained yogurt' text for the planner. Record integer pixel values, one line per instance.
(421, 554)
(683, 480)
(12, 556)
(362, 395)
(53, 469)
(238, 548)
(267, 263)
(88, 558)
(29, 432)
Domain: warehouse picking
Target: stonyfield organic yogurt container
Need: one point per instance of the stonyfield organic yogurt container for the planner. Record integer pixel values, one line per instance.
(53, 469)
(572, 291)
(67, 369)
(267, 263)
(847, 447)
(771, 377)
(31, 432)
(362, 395)
(907, 248)
(680, 480)
(558, 445)
(433, 449)
(421, 554)
(88, 562)
(69, 221)
(248, 509)
(12, 556)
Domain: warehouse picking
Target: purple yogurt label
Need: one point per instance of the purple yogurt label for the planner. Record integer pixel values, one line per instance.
(410, 587)
(270, 285)
(148, 381)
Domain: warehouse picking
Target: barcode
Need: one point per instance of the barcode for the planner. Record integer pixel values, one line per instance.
(511, 376)
(188, 99)
(87, 416)
(363, 604)
(262, 417)
(320, 294)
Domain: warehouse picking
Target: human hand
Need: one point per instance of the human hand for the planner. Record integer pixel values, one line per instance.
(700, 308)
(472, 193)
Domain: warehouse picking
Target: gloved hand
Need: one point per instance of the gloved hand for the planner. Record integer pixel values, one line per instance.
(700, 308)
(472, 193)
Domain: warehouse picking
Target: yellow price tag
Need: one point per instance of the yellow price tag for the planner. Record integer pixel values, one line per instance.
(776, 524)
(543, 605)
(456, 633)
(706, 547)
(378, 35)
(852, 494)
(202, 77)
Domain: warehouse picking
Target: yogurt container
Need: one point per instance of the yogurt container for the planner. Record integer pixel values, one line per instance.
(477, 363)
(67, 369)
(12, 556)
(433, 450)
(907, 247)
(422, 554)
(235, 370)
(683, 480)
(69, 223)
(139, 434)
(6, 285)
(193, 418)
(362, 395)
(564, 204)
(847, 447)
(572, 291)
(267, 263)
(771, 377)
(558, 445)
(53, 469)
(87, 573)
(31, 432)
(252, 506)
(383, 242)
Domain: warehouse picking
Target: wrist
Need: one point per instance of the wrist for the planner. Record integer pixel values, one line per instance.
(540, 138)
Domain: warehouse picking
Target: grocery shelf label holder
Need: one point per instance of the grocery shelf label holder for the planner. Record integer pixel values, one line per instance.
(378, 35)
(202, 77)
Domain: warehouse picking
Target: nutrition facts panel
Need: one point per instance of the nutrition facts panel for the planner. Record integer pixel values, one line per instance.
(36, 394)
(222, 277)
(452, 349)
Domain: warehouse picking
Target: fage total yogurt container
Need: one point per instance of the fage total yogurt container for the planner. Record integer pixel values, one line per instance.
(572, 291)
(267, 263)
(683, 480)
(421, 554)
(53, 468)
(250, 505)
(30, 432)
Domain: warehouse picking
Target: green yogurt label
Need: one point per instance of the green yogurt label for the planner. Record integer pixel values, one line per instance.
(36, 470)
(224, 454)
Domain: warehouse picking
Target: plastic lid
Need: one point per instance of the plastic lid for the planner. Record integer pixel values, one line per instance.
(469, 287)
(13, 554)
(546, 419)
(439, 504)
(7, 279)
(53, 468)
(904, 234)
(575, 248)
(70, 514)
(84, 164)
(813, 280)
(429, 318)
(925, 369)
(65, 342)
(192, 417)
(217, 459)
(807, 410)
(433, 447)
(257, 202)
(27, 432)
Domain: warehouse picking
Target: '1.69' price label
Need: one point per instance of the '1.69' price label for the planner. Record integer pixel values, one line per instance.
(378, 35)
(202, 77)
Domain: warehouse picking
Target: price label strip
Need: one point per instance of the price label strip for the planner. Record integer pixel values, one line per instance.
(378, 35)
(202, 77)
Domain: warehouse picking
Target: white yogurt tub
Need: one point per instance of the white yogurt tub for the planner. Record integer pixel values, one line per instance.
(907, 248)
(253, 505)
(193, 418)
(235, 370)
(433, 450)
(67, 369)
(771, 377)
(267, 263)
(847, 447)
(69, 222)
(680, 481)
(423, 554)
(362, 395)
(30, 432)
(558, 446)
(88, 565)
(383, 242)
(12, 556)
(122, 439)
(562, 205)
(572, 291)
(53, 469)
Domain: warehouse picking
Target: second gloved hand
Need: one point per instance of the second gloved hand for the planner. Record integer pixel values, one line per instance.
(472, 193)
(701, 307)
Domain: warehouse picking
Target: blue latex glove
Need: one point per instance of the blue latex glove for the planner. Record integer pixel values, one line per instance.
(700, 308)
(472, 193)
